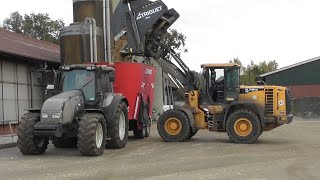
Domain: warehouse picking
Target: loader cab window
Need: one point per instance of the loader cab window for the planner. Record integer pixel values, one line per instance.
(214, 79)
(232, 78)
(80, 80)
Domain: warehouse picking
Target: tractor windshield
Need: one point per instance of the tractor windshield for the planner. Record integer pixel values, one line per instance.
(80, 80)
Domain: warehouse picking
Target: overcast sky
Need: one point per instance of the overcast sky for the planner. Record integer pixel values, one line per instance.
(219, 30)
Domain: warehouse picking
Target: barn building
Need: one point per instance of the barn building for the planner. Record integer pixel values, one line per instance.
(21, 87)
(302, 78)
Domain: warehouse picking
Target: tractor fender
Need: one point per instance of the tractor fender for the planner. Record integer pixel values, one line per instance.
(189, 114)
(110, 103)
(249, 105)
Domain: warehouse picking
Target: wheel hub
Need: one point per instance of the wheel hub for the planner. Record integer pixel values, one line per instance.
(99, 135)
(173, 126)
(122, 126)
(243, 127)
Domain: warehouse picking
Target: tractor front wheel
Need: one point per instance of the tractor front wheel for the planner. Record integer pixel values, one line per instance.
(27, 142)
(92, 134)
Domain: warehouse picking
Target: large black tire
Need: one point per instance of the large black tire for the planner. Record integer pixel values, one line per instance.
(193, 133)
(251, 131)
(145, 131)
(27, 142)
(89, 141)
(65, 142)
(118, 139)
(174, 126)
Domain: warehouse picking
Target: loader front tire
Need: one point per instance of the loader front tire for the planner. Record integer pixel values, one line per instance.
(174, 126)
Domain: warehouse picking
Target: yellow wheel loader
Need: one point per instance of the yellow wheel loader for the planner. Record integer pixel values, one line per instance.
(217, 104)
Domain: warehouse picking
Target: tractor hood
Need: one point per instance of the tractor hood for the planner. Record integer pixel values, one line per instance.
(63, 107)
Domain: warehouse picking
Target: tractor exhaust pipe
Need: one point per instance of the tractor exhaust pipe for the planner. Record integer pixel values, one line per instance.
(107, 30)
(93, 39)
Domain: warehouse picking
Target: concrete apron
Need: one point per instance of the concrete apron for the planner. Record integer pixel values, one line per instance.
(8, 141)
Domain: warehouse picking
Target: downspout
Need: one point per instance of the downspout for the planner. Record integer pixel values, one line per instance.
(108, 29)
(104, 32)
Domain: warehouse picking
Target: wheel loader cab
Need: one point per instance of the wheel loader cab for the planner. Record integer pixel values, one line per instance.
(222, 83)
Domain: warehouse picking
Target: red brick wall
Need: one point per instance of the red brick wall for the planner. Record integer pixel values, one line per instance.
(5, 129)
(302, 91)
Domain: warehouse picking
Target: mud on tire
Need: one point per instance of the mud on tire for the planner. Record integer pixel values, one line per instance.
(88, 134)
(27, 142)
(118, 137)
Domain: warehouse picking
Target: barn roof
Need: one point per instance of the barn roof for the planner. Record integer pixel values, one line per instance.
(291, 66)
(15, 44)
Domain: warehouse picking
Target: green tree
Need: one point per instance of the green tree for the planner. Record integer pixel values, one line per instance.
(14, 23)
(39, 26)
(236, 61)
(176, 40)
(251, 71)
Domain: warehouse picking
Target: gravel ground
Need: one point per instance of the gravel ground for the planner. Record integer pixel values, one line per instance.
(288, 152)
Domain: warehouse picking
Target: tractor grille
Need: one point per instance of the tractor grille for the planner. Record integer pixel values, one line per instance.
(269, 101)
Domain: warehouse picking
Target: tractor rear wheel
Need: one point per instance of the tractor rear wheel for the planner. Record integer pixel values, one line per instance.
(118, 128)
(64, 142)
(243, 126)
(92, 134)
(174, 126)
(27, 142)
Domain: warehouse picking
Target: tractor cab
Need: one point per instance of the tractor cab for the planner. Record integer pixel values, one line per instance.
(92, 80)
(221, 82)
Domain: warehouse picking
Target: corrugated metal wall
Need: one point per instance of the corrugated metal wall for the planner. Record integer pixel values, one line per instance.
(306, 74)
(20, 89)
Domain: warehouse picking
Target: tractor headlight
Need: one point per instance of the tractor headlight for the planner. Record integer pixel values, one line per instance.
(44, 115)
(56, 115)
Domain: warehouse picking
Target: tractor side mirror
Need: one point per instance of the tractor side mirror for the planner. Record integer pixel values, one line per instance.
(112, 76)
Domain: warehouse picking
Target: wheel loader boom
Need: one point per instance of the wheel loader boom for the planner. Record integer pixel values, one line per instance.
(145, 23)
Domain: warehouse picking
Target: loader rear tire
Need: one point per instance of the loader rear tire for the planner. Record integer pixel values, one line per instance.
(118, 128)
(92, 134)
(243, 127)
(174, 126)
(27, 142)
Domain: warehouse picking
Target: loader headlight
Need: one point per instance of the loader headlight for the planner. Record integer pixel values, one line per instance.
(44, 115)
(56, 115)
